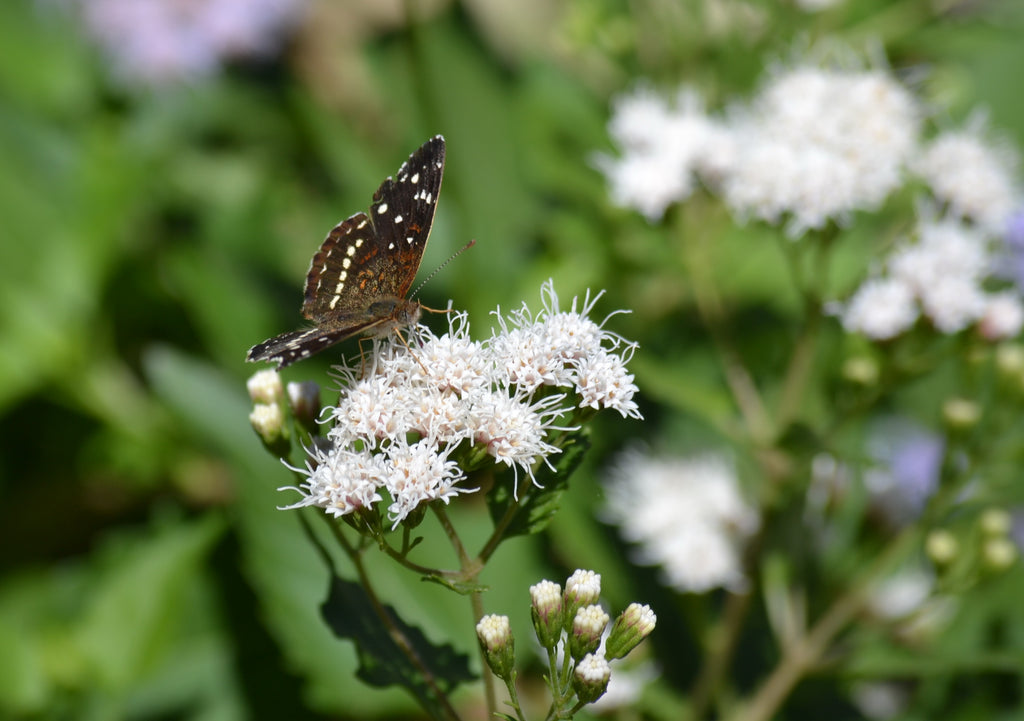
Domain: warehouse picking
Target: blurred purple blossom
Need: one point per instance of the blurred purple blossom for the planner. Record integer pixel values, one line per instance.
(156, 42)
(1013, 268)
(908, 461)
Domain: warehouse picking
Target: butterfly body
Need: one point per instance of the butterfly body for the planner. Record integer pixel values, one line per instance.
(359, 278)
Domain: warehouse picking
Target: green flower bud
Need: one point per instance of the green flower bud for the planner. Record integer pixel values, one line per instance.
(499, 647)
(590, 678)
(582, 588)
(631, 627)
(546, 611)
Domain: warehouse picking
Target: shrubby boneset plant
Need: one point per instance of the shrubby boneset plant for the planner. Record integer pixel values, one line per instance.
(422, 421)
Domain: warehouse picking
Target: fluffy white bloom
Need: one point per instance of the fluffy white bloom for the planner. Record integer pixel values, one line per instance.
(975, 178)
(1003, 316)
(882, 308)
(942, 274)
(902, 593)
(944, 249)
(159, 41)
(817, 144)
(685, 514)
(418, 473)
(566, 349)
(662, 145)
(402, 417)
(953, 303)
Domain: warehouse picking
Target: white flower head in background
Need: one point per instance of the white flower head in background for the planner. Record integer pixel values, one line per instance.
(942, 273)
(974, 177)
(400, 422)
(662, 145)
(684, 514)
(156, 42)
(818, 143)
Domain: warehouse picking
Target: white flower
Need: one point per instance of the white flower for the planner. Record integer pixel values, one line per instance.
(419, 473)
(1003, 316)
(602, 382)
(975, 178)
(567, 349)
(402, 416)
(953, 303)
(818, 144)
(882, 308)
(685, 514)
(901, 594)
(662, 146)
(944, 249)
(160, 41)
(512, 430)
(340, 481)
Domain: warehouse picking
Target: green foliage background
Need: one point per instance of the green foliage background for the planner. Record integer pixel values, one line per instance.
(149, 237)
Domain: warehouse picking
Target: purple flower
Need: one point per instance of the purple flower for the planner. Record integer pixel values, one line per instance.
(1013, 265)
(156, 42)
(908, 462)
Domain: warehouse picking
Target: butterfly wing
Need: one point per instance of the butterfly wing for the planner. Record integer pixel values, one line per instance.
(297, 345)
(377, 255)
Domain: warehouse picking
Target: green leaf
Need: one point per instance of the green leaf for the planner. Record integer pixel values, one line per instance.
(351, 614)
(539, 502)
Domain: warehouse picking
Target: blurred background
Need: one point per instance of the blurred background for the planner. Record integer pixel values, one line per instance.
(168, 168)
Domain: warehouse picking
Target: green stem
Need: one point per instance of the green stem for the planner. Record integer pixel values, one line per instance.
(804, 653)
(470, 571)
(720, 654)
(713, 316)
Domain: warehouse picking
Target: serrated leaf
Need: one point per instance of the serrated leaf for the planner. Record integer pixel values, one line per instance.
(540, 502)
(350, 614)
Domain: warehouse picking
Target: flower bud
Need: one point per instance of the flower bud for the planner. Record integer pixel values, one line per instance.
(546, 611)
(961, 414)
(304, 399)
(995, 522)
(1010, 359)
(582, 588)
(631, 627)
(942, 547)
(267, 421)
(861, 370)
(265, 387)
(999, 553)
(587, 627)
(590, 678)
(499, 647)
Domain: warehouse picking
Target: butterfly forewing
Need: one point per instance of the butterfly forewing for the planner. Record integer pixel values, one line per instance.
(358, 279)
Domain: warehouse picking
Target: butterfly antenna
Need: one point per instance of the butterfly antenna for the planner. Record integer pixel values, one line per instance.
(455, 255)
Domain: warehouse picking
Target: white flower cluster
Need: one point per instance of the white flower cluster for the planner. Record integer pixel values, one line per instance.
(686, 515)
(396, 427)
(942, 275)
(814, 146)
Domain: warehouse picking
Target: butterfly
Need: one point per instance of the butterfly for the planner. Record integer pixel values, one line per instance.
(358, 280)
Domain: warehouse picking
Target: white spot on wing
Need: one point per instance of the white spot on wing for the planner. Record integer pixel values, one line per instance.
(398, 219)
(415, 179)
(382, 208)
